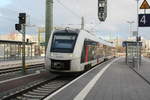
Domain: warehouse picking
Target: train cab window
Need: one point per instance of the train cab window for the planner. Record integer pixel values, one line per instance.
(63, 43)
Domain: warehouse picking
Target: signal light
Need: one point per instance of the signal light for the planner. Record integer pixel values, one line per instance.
(22, 18)
(18, 27)
(102, 9)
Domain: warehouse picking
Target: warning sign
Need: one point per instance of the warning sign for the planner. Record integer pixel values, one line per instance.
(145, 5)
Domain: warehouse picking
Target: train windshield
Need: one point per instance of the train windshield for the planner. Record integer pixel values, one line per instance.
(63, 43)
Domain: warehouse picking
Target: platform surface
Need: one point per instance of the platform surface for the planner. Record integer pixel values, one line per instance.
(112, 81)
(144, 69)
(17, 63)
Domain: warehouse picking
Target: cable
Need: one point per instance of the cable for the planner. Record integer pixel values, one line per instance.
(8, 18)
(71, 11)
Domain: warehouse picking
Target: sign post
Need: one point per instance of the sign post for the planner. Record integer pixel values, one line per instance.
(143, 20)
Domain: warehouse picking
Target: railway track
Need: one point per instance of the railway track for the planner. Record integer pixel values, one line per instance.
(15, 69)
(40, 90)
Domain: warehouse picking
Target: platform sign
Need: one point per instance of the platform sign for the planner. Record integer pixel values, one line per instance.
(145, 5)
(144, 20)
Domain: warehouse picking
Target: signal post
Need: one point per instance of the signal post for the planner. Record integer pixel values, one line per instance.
(21, 27)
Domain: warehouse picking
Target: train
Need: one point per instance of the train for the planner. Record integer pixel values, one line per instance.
(75, 50)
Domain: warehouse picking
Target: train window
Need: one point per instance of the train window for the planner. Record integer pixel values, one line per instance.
(89, 51)
(63, 43)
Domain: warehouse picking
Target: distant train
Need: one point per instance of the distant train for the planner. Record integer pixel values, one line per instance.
(74, 50)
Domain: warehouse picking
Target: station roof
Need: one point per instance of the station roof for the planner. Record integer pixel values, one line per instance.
(15, 42)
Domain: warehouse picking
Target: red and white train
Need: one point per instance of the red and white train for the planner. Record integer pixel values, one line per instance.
(74, 50)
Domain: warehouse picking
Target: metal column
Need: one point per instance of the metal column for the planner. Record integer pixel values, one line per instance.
(49, 21)
(23, 49)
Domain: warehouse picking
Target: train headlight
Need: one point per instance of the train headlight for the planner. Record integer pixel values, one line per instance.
(71, 55)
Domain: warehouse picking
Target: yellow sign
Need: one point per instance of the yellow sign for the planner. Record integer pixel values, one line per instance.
(145, 5)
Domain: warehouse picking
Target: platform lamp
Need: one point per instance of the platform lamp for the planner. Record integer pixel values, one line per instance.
(130, 26)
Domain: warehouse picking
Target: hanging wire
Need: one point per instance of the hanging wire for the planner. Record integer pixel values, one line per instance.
(68, 9)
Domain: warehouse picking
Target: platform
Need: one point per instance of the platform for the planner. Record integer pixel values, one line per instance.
(17, 63)
(144, 69)
(112, 80)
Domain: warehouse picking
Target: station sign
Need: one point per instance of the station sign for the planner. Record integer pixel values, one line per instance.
(144, 20)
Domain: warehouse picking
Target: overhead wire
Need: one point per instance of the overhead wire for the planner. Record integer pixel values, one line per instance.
(68, 9)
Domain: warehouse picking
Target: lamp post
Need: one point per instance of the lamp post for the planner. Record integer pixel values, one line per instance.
(130, 23)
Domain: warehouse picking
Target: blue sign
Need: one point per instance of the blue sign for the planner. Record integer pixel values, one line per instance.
(144, 20)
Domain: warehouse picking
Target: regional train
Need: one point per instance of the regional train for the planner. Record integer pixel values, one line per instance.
(73, 50)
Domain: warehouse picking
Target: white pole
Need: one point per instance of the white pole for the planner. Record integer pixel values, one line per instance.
(82, 22)
(130, 23)
(137, 35)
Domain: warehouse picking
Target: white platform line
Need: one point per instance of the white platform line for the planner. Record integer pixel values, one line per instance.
(91, 84)
(18, 78)
(53, 94)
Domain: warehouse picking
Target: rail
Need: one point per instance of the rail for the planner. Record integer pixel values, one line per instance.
(8, 70)
(40, 90)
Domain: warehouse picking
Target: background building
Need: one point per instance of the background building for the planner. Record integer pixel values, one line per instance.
(11, 46)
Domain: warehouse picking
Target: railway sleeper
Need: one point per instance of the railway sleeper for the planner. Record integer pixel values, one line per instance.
(39, 91)
(44, 89)
(35, 93)
(53, 85)
(57, 83)
(32, 96)
(49, 87)
(24, 98)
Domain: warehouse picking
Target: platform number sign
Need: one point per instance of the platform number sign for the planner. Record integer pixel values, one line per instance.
(144, 20)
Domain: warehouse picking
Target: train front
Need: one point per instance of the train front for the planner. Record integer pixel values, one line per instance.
(60, 53)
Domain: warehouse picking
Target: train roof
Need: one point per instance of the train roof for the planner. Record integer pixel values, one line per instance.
(69, 30)
(99, 39)
(106, 42)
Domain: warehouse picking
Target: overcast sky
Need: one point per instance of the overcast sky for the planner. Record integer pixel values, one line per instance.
(119, 12)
